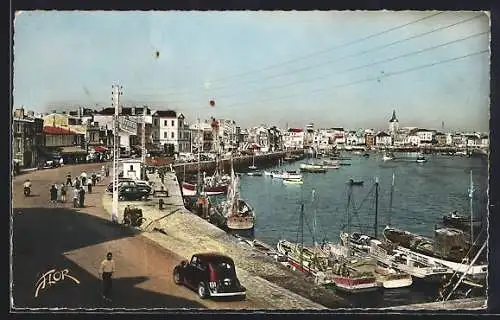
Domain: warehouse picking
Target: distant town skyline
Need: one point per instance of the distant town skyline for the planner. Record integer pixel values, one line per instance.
(331, 68)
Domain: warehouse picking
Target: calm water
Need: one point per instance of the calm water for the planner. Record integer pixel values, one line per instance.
(423, 193)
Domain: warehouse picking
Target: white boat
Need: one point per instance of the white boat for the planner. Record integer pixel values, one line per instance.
(268, 173)
(390, 278)
(255, 173)
(421, 159)
(293, 181)
(387, 157)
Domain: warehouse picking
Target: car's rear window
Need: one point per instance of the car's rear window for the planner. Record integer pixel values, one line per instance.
(224, 269)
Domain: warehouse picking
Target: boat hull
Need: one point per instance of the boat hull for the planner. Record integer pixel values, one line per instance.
(355, 285)
(190, 190)
(401, 282)
(240, 223)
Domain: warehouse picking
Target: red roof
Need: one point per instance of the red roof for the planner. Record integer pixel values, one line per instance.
(58, 131)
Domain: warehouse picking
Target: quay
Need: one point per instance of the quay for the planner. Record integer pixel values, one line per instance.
(459, 304)
(240, 163)
(271, 284)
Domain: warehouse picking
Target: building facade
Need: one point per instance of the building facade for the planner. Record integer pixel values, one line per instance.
(27, 138)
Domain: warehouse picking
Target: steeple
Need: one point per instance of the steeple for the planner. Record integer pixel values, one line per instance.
(393, 118)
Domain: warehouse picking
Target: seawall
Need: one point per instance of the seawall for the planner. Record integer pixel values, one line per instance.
(240, 163)
(273, 285)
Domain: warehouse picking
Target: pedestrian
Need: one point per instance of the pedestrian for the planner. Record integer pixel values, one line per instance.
(61, 162)
(58, 195)
(77, 183)
(94, 178)
(76, 197)
(83, 176)
(63, 192)
(107, 171)
(106, 271)
(82, 197)
(68, 179)
(89, 185)
(53, 193)
(103, 171)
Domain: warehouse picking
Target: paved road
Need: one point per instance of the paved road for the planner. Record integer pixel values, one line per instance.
(55, 236)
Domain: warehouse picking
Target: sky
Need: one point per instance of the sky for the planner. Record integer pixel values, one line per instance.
(331, 68)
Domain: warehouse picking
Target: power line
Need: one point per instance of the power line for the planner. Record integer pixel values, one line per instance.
(337, 59)
(355, 54)
(362, 66)
(386, 75)
(324, 50)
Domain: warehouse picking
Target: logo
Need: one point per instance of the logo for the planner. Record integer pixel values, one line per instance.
(52, 277)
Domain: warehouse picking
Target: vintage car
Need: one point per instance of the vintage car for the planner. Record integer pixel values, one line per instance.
(211, 274)
(132, 193)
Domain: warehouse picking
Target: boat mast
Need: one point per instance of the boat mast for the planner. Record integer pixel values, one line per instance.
(314, 218)
(349, 220)
(471, 195)
(375, 227)
(301, 234)
(198, 176)
(466, 271)
(390, 200)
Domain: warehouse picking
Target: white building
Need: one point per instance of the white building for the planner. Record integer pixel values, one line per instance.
(339, 135)
(171, 129)
(131, 168)
(412, 139)
(449, 139)
(135, 114)
(425, 137)
(321, 139)
(484, 141)
(383, 139)
(293, 138)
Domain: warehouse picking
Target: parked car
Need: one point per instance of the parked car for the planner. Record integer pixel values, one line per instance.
(130, 183)
(211, 274)
(132, 193)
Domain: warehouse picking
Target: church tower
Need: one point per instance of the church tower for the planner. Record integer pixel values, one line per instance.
(393, 126)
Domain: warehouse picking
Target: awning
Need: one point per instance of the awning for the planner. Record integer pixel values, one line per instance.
(73, 150)
(100, 149)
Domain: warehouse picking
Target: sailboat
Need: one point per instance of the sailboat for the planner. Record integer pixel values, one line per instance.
(351, 273)
(310, 261)
(214, 185)
(240, 216)
(449, 250)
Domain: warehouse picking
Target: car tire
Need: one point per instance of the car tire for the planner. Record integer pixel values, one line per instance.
(177, 276)
(202, 291)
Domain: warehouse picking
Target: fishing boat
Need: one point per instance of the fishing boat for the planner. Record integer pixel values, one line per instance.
(449, 251)
(355, 182)
(451, 248)
(388, 156)
(390, 278)
(240, 216)
(301, 258)
(312, 168)
(189, 189)
(421, 159)
(293, 181)
(453, 220)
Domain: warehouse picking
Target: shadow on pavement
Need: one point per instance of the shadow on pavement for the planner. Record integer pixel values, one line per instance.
(41, 237)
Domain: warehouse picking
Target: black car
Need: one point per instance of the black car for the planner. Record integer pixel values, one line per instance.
(130, 183)
(132, 193)
(211, 274)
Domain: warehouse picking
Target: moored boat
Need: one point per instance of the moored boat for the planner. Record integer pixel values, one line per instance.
(255, 173)
(312, 168)
(189, 189)
(421, 159)
(240, 216)
(293, 181)
(353, 182)
(453, 220)
(388, 156)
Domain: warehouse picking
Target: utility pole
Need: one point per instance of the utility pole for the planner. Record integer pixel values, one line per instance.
(143, 137)
(116, 93)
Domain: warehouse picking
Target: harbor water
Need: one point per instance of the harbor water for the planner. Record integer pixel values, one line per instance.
(422, 194)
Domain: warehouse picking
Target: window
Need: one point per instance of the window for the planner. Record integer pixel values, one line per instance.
(172, 134)
(131, 168)
(173, 123)
(165, 135)
(165, 123)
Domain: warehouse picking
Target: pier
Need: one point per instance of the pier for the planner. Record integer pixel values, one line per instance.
(179, 231)
(240, 163)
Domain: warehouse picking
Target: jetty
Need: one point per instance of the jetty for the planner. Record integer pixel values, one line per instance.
(459, 304)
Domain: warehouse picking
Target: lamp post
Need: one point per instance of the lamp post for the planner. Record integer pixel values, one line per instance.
(117, 92)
